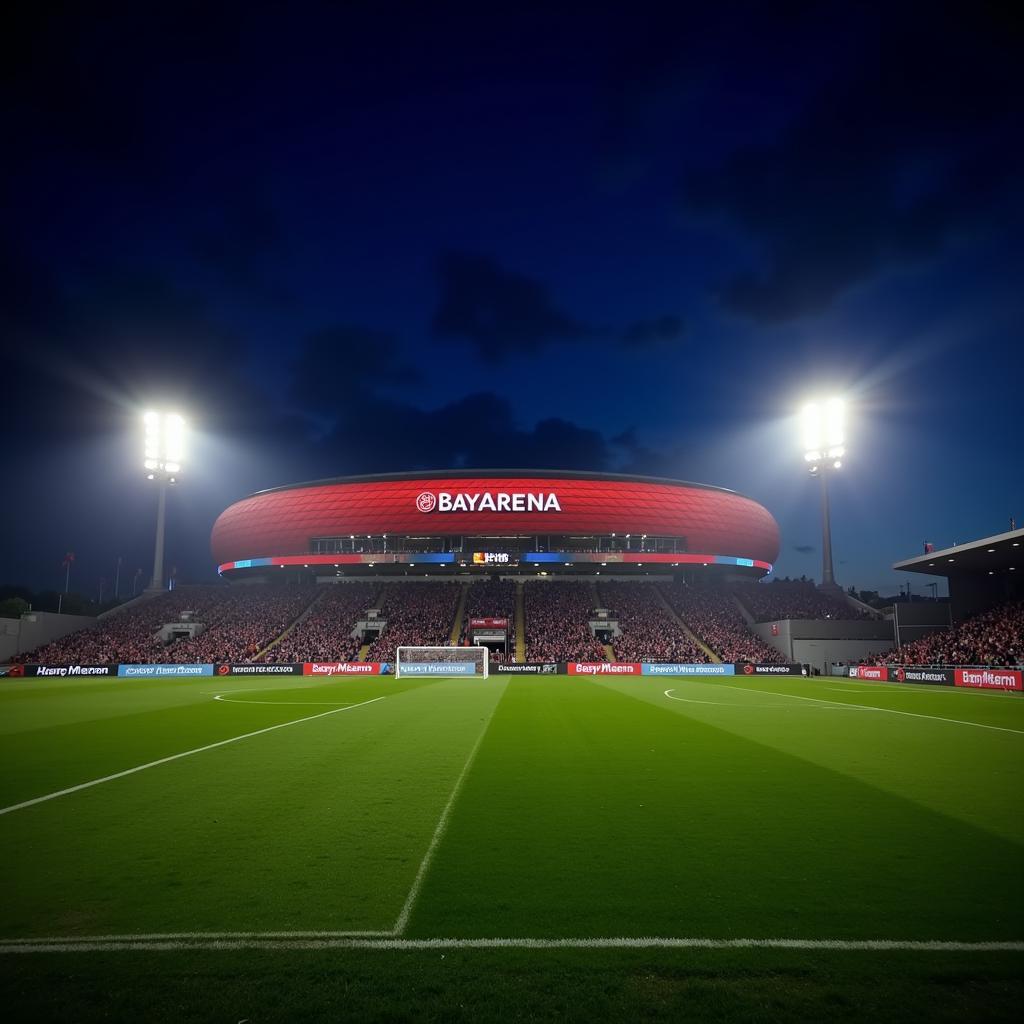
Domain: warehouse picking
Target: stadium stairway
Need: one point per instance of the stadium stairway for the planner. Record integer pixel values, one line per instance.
(674, 616)
(609, 654)
(299, 618)
(520, 623)
(363, 651)
(747, 617)
(460, 611)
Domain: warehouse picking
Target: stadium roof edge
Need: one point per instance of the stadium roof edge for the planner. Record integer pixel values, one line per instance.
(455, 474)
(1000, 551)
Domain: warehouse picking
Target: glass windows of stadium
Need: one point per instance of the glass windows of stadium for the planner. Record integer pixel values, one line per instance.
(384, 543)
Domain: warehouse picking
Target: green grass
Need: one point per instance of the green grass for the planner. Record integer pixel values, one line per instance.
(729, 809)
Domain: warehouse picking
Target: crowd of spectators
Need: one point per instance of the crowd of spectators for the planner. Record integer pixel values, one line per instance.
(649, 632)
(417, 614)
(325, 634)
(241, 624)
(712, 615)
(794, 599)
(238, 623)
(557, 617)
(995, 637)
(494, 599)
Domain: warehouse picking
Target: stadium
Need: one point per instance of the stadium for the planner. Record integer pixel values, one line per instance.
(513, 520)
(495, 714)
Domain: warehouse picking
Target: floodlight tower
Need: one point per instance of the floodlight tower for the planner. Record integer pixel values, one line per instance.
(165, 449)
(824, 439)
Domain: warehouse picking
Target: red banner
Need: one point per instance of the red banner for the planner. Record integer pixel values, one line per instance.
(341, 668)
(988, 678)
(488, 623)
(604, 668)
(880, 673)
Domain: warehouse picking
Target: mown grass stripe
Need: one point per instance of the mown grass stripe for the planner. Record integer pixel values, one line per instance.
(440, 829)
(102, 945)
(884, 711)
(175, 757)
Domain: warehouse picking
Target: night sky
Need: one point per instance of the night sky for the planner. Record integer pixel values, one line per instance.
(362, 238)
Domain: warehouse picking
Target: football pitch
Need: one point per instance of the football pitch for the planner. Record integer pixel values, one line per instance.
(514, 848)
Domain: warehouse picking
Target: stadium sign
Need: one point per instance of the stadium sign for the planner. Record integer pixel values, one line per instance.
(749, 668)
(525, 668)
(906, 674)
(604, 668)
(665, 668)
(268, 669)
(438, 668)
(878, 673)
(488, 501)
(162, 671)
(988, 678)
(61, 671)
(345, 668)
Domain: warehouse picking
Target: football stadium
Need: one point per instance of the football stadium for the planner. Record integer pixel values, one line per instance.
(518, 744)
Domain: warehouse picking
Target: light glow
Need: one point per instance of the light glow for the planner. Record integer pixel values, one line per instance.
(823, 427)
(164, 448)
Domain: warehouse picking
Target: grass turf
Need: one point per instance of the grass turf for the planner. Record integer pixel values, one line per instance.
(729, 808)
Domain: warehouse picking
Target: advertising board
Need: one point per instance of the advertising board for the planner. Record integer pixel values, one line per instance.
(163, 671)
(750, 668)
(916, 674)
(675, 669)
(604, 668)
(268, 669)
(345, 668)
(879, 673)
(988, 678)
(528, 668)
(59, 671)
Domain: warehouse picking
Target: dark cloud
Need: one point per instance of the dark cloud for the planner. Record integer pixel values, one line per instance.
(479, 430)
(500, 312)
(804, 549)
(245, 246)
(365, 359)
(884, 164)
(659, 329)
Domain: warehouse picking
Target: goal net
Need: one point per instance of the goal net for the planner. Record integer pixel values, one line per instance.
(441, 661)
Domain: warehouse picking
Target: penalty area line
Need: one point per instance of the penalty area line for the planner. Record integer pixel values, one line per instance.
(104, 945)
(883, 711)
(175, 757)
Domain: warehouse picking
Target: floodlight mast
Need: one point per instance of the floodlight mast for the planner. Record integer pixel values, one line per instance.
(165, 444)
(824, 439)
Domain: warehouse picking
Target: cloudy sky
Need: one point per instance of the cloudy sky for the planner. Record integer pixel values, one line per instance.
(352, 238)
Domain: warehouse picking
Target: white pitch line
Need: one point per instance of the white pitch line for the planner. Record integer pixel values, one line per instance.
(101, 945)
(175, 757)
(288, 703)
(439, 831)
(195, 937)
(735, 704)
(884, 711)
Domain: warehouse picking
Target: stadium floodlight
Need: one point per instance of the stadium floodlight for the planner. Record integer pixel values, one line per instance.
(823, 426)
(164, 454)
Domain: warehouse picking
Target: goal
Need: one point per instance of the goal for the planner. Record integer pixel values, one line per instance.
(441, 661)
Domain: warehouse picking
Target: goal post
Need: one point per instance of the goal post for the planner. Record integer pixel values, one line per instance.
(471, 662)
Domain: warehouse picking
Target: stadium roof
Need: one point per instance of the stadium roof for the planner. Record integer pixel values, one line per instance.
(511, 474)
(1003, 552)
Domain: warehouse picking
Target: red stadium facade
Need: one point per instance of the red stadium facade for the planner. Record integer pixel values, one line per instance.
(487, 520)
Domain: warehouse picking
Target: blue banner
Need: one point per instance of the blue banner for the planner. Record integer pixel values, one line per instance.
(671, 669)
(438, 668)
(161, 671)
